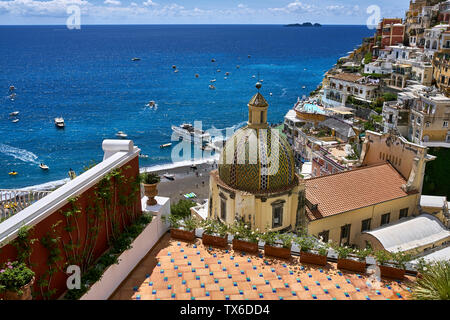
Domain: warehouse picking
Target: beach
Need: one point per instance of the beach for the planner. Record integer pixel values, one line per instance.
(187, 180)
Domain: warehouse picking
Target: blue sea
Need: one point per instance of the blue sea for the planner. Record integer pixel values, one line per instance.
(87, 77)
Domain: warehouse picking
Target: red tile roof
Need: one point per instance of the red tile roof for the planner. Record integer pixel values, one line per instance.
(350, 190)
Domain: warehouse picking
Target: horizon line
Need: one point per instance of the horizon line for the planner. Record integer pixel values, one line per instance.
(181, 24)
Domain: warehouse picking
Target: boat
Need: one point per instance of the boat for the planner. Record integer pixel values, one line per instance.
(196, 75)
(213, 60)
(212, 87)
(188, 133)
(249, 56)
(237, 67)
(304, 87)
(218, 70)
(253, 76)
(143, 156)
(13, 114)
(174, 67)
(13, 173)
(225, 78)
(176, 71)
(227, 73)
(135, 59)
(12, 96)
(15, 120)
(167, 145)
(169, 176)
(43, 166)
(213, 80)
(152, 104)
(12, 88)
(59, 122)
(121, 134)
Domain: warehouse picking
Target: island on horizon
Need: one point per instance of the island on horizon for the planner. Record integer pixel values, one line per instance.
(305, 24)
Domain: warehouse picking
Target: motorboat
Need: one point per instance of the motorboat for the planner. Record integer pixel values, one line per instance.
(176, 71)
(59, 122)
(187, 132)
(303, 87)
(121, 134)
(169, 176)
(12, 88)
(152, 105)
(218, 70)
(227, 73)
(167, 145)
(13, 173)
(237, 67)
(15, 121)
(196, 75)
(43, 166)
(13, 114)
(271, 94)
(213, 60)
(213, 80)
(143, 156)
(174, 67)
(249, 56)
(12, 96)
(135, 59)
(212, 87)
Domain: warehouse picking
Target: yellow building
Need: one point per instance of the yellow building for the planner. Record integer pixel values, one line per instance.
(386, 188)
(256, 180)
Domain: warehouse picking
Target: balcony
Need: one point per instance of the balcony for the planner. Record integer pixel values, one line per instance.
(14, 201)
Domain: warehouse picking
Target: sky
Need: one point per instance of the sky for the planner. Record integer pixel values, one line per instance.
(30, 12)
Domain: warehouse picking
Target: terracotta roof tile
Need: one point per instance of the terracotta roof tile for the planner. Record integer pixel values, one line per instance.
(353, 189)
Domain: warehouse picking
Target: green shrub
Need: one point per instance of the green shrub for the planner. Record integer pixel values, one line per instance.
(434, 283)
(182, 208)
(150, 178)
(13, 276)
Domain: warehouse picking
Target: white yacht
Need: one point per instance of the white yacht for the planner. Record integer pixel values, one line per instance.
(59, 122)
(43, 166)
(13, 114)
(188, 133)
(121, 134)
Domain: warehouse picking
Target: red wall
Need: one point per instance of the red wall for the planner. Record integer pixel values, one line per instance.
(38, 258)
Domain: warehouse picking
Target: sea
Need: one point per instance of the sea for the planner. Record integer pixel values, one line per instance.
(87, 76)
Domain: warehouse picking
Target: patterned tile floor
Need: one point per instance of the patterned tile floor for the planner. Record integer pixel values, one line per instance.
(187, 271)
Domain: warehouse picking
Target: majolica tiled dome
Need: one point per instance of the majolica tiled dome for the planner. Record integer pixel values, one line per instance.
(241, 167)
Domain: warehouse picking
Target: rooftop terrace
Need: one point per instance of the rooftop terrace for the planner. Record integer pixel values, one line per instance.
(176, 270)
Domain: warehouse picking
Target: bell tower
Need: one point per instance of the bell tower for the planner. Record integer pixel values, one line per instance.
(257, 110)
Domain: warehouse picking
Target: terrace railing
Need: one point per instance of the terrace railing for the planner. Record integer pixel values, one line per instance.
(13, 201)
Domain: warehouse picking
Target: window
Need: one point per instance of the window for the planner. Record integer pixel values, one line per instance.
(403, 213)
(385, 219)
(365, 225)
(445, 124)
(223, 209)
(345, 235)
(277, 214)
(324, 235)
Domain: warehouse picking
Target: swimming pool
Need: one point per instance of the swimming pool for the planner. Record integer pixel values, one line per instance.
(308, 107)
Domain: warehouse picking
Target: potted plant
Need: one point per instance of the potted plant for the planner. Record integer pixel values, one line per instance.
(277, 245)
(310, 252)
(16, 280)
(215, 233)
(387, 267)
(347, 262)
(150, 182)
(182, 229)
(244, 239)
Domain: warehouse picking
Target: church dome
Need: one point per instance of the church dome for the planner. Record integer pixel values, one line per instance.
(258, 159)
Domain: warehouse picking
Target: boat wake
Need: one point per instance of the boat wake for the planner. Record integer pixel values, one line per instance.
(20, 154)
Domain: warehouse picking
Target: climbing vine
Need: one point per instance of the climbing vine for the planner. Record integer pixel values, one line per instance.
(24, 245)
(51, 241)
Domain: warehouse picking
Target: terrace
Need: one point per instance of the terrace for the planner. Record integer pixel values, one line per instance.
(177, 270)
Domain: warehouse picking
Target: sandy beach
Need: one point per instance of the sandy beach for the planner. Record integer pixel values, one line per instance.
(187, 180)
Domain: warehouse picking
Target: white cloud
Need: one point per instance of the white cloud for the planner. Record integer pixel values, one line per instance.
(149, 3)
(113, 2)
(52, 8)
(241, 6)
